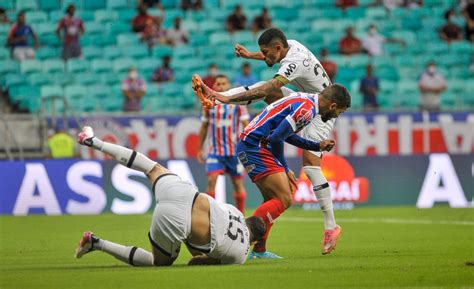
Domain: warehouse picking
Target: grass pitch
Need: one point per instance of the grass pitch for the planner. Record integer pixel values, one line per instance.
(380, 247)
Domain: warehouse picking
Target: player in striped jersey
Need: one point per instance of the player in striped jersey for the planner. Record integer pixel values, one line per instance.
(223, 124)
(300, 68)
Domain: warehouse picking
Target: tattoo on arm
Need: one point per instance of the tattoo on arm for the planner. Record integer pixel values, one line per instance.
(270, 87)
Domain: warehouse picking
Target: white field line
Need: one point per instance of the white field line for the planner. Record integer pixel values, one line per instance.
(383, 221)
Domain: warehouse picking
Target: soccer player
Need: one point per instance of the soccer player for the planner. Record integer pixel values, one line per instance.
(224, 121)
(299, 67)
(214, 233)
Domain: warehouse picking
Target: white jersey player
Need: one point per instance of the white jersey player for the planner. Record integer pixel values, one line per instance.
(214, 233)
(300, 68)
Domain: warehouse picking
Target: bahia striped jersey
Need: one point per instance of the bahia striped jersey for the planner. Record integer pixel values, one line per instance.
(224, 127)
(298, 109)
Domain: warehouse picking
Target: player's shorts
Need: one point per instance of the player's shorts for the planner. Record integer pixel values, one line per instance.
(220, 165)
(258, 161)
(317, 130)
(171, 222)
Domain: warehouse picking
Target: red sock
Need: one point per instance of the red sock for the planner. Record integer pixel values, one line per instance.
(269, 212)
(212, 194)
(240, 200)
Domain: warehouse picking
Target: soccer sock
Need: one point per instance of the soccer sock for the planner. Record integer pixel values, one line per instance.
(125, 156)
(323, 194)
(127, 254)
(240, 200)
(212, 194)
(269, 211)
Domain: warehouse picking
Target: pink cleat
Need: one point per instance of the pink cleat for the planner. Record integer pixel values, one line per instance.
(330, 239)
(85, 136)
(86, 244)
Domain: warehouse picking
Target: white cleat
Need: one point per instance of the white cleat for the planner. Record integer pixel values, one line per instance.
(85, 136)
(86, 244)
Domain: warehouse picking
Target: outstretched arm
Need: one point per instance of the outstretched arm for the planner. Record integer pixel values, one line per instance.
(241, 51)
(269, 90)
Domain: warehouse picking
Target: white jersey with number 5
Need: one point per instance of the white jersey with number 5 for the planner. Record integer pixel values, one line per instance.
(230, 239)
(303, 70)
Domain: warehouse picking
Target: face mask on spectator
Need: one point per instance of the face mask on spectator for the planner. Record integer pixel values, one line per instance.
(213, 72)
(133, 74)
(431, 69)
(373, 31)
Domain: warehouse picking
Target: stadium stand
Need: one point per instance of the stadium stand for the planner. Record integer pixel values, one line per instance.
(109, 48)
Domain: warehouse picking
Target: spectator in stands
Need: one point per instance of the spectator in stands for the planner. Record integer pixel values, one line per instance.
(151, 3)
(262, 21)
(62, 145)
(350, 44)
(133, 90)
(450, 32)
(71, 27)
(246, 77)
(191, 4)
(468, 13)
(164, 73)
(344, 4)
(431, 85)
(212, 72)
(3, 16)
(154, 33)
(176, 35)
(328, 65)
(141, 20)
(236, 21)
(18, 38)
(369, 88)
(373, 42)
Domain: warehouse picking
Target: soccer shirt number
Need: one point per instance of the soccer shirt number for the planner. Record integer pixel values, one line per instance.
(319, 70)
(235, 236)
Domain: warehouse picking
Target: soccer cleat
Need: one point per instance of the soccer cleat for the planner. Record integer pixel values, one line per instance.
(85, 136)
(263, 255)
(330, 239)
(199, 91)
(86, 244)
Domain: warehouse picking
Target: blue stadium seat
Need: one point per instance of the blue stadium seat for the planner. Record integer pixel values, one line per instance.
(7, 4)
(160, 51)
(30, 66)
(209, 26)
(94, 5)
(49, 40)
(118, 28)
(45, 28)
(92, 27)
(109, 78)
(117, 4)
(87, 78)
(112, 52)
(13, 79)
(55, 15)
(26, 5)
(354, 13)
(86, 15)
(51, 90)
(127, 39)
(78, 3)
(105, 16)
(4, 53)
(34, 17)
(77, 65)
(75, 91)
(135, 51)
(62, 78)
(99, 91)
(126, 15)
(171, 90)
(149, 63)
(184, 52)
(101, 65)
(284, 14)
(53, 65)
(123, 64)
(217, 38)
(91, 52)
(40, 79)
(47, 5)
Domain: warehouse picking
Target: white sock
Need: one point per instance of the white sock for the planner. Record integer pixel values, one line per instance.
(241, 89)
(323, 194)
(125, 156)
(127, 254)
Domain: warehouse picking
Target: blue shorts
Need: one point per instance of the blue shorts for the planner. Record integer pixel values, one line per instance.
(258, 161)
(220, 165)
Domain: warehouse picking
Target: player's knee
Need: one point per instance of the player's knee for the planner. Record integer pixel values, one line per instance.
(287, 200)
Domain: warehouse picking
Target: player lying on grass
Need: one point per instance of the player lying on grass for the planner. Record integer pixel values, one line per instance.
(214, 233)
(260, 148)
(300, 68)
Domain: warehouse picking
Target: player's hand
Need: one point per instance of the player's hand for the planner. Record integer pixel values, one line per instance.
(327, 145)
(292, 180)
(217, 96)
(200, 156)
(241, 51)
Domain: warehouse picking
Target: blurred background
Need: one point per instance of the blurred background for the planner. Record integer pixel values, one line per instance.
(124, 67)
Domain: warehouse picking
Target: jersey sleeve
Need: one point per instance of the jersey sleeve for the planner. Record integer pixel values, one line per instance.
(300, 115)
(290, 69)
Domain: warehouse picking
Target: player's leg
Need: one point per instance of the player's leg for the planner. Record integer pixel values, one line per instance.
(214, 168)
(235, 170)
(312, 169)
(128, 254)
(211, 184)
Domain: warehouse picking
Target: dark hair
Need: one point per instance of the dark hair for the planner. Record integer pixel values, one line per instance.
(271, 35)
(339, 94)
(221, 76)
(21, 13)
(449, 11)
(257, 228)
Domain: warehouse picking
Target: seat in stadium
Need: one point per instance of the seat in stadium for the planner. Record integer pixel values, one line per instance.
(26, 5)
(48, 5)
(49, 40)
(118, 28)
(92, 52)
(92, 27)
(99, 91)
(184, 52)
(217, 38)
(209, 26)
(51, 90)
(13, 79)
(75, 91)
(117, 4)
(126, 15)
(86, 15)
(45, 28)
(135, 51)
(123, 64)
(77, 65)
(40, 79)
(4, 53)
(63, 79)
(94, 5)
(109, 78)
(87, 78)
(78, 3)
(35, 17)
(102, 16)
(112, 52)
(30, 66)
(127, 39)
(53, 65)
(101, 65)
(161, 51)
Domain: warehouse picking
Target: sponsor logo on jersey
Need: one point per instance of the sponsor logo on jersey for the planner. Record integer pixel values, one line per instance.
(303, 118)
(290, 69)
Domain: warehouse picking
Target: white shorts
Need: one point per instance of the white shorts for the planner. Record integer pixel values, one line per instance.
(22, 53)
(171, 221)
(317, 130)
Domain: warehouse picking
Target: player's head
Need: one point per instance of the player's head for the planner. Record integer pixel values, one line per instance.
(256, 227)
(20, 18)
(221, 83)
(273, 45)
(333, 100)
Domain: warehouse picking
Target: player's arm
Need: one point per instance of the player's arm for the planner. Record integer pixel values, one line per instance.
(241, 51)
(268, 90)
(202, 138)
(203, 260)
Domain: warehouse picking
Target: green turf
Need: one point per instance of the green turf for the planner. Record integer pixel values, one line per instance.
(380, 247)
